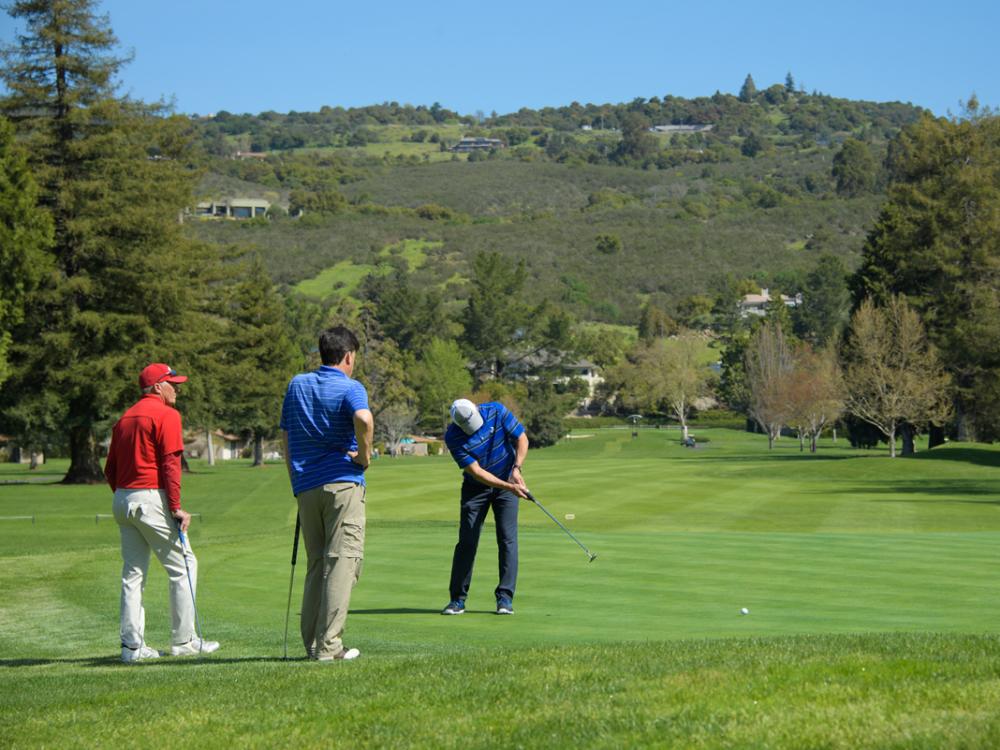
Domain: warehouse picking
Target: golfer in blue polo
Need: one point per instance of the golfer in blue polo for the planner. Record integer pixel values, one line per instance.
(489, 445)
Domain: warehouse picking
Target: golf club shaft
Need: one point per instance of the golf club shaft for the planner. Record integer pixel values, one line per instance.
(291, 580)
(194, 605)
(590, 554)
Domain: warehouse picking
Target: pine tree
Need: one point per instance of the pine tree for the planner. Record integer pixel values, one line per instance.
(25, 234)
(748, 90)
(114, 176)
(260, 358)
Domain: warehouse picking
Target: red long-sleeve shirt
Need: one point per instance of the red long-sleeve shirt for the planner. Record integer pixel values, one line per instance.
(146, 447)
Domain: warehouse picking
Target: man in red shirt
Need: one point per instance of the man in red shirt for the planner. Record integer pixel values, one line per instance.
(144, 471)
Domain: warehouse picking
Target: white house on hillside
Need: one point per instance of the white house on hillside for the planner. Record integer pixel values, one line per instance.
(756, 304)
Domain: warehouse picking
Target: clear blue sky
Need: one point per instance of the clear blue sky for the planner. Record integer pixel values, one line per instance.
(252, 56)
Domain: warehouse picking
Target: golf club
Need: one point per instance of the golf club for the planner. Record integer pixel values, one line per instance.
(197, 621)
(591, 555)
(295, 554)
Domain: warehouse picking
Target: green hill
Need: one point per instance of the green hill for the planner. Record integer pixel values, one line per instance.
(688, 209)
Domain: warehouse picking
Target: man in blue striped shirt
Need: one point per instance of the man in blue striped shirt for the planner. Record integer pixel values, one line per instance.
(489, 445)
(327, 431)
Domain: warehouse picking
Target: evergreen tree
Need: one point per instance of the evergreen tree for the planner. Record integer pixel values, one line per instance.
(854, 169)
(260, 358)
(25, 234)
(439, 378)
(937, 243)
(826, 302)
(748, 90)
(496, 316)
(789, 83)
(119, 289)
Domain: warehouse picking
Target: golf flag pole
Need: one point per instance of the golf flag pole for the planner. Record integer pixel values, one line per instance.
(291, 580)
(591, 555)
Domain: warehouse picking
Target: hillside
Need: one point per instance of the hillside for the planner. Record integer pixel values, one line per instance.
(754, 197)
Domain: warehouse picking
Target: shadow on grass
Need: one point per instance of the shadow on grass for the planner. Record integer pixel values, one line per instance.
(953, 491)
(395, 611)
(975, 456)
(763, 457)
(166, 661)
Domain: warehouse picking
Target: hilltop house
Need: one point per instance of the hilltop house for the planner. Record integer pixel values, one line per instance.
(232, 208)
(681, 128)
(756, 304)
(476, 144)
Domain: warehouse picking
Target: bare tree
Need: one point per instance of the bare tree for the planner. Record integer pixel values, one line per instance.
(394, 423)
(894, 376)
(663, 374)
(769, 363)
(814, 393)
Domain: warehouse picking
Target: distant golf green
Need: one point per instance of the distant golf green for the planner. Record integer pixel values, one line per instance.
(872, 584)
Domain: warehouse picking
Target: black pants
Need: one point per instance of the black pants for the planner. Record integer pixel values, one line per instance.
(477, 499)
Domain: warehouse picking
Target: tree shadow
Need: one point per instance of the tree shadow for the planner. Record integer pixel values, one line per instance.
(952, 491)
(763, 457)
(975, 456)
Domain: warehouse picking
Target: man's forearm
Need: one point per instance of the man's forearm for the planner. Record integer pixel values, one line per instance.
(364, 433)
(522, 449)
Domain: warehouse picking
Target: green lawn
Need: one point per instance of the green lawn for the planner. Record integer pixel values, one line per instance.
(343, 278)
(871, 583)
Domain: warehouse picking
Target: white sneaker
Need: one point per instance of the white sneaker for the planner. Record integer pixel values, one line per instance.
(144, 652)
(346, 655)
(194, 647)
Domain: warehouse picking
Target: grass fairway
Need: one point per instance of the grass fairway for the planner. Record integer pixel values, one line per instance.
(872, 586)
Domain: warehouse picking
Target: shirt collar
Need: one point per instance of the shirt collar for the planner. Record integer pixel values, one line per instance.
(329, 370)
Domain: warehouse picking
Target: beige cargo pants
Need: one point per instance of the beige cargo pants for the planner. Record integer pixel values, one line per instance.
(333, 532)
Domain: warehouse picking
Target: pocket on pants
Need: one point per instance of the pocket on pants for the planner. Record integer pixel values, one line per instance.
(349, 538)
(352, 540)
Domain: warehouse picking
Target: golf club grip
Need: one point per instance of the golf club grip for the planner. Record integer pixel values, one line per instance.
(295, 542)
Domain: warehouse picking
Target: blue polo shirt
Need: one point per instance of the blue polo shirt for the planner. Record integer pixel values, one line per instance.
(318, 414)
(493, 445)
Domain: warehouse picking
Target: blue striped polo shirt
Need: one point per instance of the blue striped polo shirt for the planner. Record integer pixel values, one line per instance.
(318, 414)
(492, 445)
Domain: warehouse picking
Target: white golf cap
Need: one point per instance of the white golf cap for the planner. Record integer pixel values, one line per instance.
(465, 414)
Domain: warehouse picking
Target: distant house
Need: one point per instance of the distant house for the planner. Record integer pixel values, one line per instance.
(249, 155)
(756, 304)
(476, 144)
(232, 208)
(587, 371)
(226, 447)
(16, 454)
(681, 128)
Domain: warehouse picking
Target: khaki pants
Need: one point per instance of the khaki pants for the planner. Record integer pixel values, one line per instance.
(333, 532)
(145, 524)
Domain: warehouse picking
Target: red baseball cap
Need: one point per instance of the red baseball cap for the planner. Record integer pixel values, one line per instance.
(158, 373)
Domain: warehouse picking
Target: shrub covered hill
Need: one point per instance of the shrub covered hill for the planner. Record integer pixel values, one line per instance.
(609, 205)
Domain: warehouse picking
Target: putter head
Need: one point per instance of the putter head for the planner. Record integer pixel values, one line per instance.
(593, 556)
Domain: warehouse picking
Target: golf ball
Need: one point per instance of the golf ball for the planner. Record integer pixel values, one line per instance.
(744, 611)
(570, 516)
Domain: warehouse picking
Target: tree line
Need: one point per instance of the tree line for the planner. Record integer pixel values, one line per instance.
(100, 277)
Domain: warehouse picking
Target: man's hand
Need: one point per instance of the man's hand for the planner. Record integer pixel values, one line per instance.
(518, 487)
(183, 519)
(517, 478)
(354, 456)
